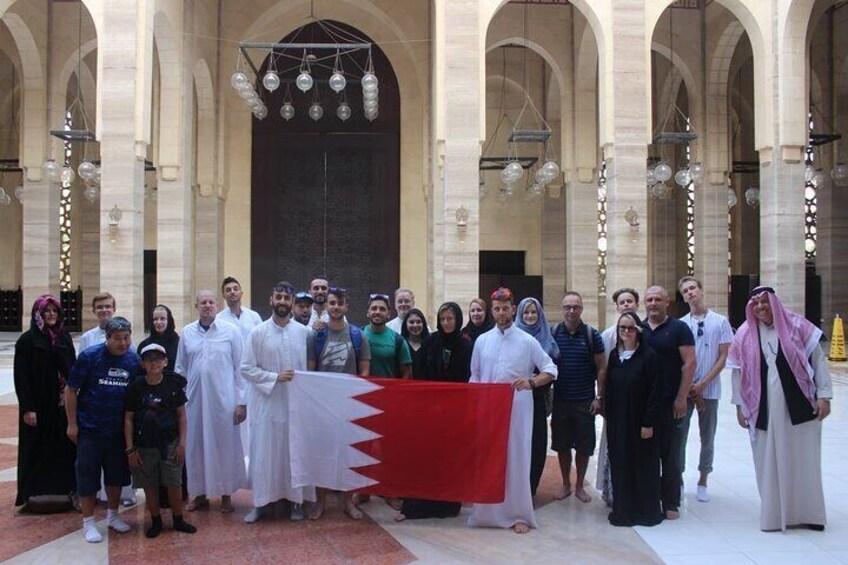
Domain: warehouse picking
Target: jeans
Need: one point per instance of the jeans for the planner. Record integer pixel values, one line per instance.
(707, 421)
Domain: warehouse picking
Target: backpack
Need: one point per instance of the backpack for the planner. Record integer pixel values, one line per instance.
(320, 341)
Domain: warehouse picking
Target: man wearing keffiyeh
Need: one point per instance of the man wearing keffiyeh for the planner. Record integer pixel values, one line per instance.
(782, 391)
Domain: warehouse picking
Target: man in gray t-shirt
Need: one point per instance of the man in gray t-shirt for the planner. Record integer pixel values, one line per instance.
(335, 352)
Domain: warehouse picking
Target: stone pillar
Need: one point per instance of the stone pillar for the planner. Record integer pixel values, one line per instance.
(581, 243)
(122, 177)
(208, 208)
(782, 224)
(711, 240)
(40, 240)
(458, 58)
(625, 147)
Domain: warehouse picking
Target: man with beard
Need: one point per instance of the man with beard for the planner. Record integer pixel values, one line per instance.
(277, 348)
(209, 356)
(302, 310)
(319, 288)
(390, 356)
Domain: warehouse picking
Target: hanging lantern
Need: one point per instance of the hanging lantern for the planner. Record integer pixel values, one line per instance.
(51, 170)
(839, 174)
(731, 198)
(661, 191)
(19, 193)
(86, 170)
(271, 81)
(809, 173)
(696, 170)
(651, 177)
(316, 112)
(238, 80)
(304, 81)
(683, 177)
(343, 111)
(287, 111)
(369, 82)
(752, 196)
(91, 193)
(5, 199)
(337, 81)
(67, 175)
(662, 172)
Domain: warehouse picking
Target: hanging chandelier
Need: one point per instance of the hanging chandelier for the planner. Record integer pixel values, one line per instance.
(316, 69)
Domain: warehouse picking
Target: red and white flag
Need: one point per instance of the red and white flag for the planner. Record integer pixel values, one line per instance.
(399, 438)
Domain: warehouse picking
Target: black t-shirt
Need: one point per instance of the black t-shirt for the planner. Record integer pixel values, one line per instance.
(154, 409)
(666, 339)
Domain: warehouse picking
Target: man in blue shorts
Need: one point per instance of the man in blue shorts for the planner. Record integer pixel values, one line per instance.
(94, 401)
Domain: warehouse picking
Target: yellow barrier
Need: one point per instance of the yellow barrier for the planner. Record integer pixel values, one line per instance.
(837, 341)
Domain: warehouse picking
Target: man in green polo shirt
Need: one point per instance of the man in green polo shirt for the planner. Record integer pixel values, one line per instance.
(390, 355)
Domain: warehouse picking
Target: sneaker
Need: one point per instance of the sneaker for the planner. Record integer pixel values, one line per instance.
(118, 525)
(127, 502)
(253, 516)
(296, 512)
(703, 495)
(92, 534)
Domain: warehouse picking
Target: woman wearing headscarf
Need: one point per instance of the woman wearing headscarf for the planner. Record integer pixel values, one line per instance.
(415, 331)
(43, 359)
(530, 317)
(479, 319)
(633, 395)
(163, 332)
(782, 392)
(446, 357)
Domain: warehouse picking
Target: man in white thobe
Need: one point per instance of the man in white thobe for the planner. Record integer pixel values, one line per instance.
(506, 354)
(209, 356)
(277, 348)
(245, 320)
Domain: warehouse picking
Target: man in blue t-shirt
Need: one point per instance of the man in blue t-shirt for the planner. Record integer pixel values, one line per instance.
(94, 401)
(675, 346)
(580, 364)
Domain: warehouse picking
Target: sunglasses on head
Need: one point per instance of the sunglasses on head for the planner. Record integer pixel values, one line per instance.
(283, 288)
(377, 296)
(337, 290)
(502, 294)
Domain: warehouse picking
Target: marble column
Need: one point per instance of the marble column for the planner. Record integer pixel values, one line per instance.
(40, 240)
(711, 240)
(122, 156)
(458, 93)
(782, 225)
(625, 147)
(208, 214)
(581, 243)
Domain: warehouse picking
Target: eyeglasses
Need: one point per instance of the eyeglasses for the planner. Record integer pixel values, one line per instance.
(627, 328)
(570, 308)
(284, 288)
(700, 328)
(338, 289)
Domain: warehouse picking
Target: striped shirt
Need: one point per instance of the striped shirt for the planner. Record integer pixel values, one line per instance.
(576, 365)
(709, 333)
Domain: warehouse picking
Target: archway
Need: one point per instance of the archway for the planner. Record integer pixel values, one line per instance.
(325, 194)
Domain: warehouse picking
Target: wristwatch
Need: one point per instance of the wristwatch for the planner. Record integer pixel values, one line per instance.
(130, 450)
(532, 382)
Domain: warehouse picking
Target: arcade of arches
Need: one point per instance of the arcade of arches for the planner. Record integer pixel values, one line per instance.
(189, 166)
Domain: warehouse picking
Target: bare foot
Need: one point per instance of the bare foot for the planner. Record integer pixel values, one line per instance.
(352, 511)
(361, 498)
(672, 514)
(562, 493)
(400, 517)
(395, 503)
(582, 496)
(317, 511)
(521, 528)
(198, 503)
(226, 505)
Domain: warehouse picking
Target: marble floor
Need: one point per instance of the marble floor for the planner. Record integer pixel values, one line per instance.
(724, 530)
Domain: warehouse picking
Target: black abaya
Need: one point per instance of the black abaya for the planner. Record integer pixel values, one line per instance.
(633, 396)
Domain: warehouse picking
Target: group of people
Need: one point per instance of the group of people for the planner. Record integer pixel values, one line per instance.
(179, 413)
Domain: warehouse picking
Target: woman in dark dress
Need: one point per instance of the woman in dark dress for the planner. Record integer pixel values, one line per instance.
(414, 330)
(446, 357)
(632, 407)
(43, 359)
(163, 332)
(479, 319)
(530, 317)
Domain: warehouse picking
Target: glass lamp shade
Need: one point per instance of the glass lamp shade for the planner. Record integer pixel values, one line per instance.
(696, 170)
(19, 193)
(651, 177)
(5, 199)
(337, 82)
(51, 170)
(820, 179)
(271, 81)
(97, 174)
(370, 94)
(91, 193)
(261, 113)
(304, 81)
(86, 170)
(752, 196)
(343, 111)
(246, 93)
(370, 104)
(67, 175)
(371, 115)
(660, 191)
(369, 82)
(663, 172)
(551, 170)
(287, 111)
(540, 177)
(731, 198)
(534, 191)
(238, 79)
(839, 174)
(316, 112)
(683, 177)
(809, 173)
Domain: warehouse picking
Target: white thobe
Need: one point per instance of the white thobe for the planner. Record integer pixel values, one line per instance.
(271, 350)
(502, 357)
(245, 322)
(787, 458)
(210, 361)
(609, 337)
(324, 317)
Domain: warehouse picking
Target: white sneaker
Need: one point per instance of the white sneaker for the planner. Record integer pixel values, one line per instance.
(92, 534)
(253, 516)
(296, 512)
(118, 525)
(703, 495)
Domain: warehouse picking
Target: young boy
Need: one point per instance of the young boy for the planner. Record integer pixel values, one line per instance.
(155, 431)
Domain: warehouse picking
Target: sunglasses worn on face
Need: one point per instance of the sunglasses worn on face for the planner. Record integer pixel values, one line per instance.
(627, 328)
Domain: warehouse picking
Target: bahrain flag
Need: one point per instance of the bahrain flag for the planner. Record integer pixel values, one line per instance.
(399, 438)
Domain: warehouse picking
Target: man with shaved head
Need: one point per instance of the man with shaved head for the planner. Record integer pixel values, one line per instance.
(675, 345)
(209, 356)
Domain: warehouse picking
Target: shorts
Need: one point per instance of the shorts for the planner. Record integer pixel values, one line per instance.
(156, 470)
(96, 453)
(573, 427)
